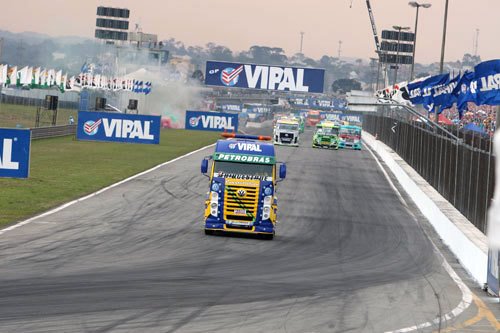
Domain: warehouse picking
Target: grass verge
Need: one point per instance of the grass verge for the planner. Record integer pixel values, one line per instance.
(63, 169)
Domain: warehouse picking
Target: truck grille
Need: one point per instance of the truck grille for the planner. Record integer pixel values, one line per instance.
(238, 207)
(286, 137)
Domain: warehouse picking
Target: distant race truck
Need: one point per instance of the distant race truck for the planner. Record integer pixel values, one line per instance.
(350, 137)
(326, 135)
(313, 118)
(287, 131)
(243, 178)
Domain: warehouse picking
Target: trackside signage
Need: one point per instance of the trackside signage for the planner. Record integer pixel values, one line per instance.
(118, 127)
(15, 147)
(211, 121)
(227, 74)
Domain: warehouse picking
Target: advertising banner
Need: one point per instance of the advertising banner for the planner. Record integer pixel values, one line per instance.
(15, 147)
(487, 75)
(228, 74)
(351, 118)
(231, 107)
(211, 121)
(118, 127)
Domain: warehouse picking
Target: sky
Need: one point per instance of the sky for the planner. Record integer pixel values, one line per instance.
(240, 24)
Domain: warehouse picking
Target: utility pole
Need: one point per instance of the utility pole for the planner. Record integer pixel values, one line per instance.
(301, 41)
(441, 63)
(416, 5)
(340, 49)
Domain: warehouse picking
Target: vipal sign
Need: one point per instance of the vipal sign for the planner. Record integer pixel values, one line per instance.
(211, 121)
(118, 127)
(15, 147)
(266, 77)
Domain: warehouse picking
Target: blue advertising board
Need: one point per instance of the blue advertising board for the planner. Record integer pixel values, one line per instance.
(118, 127)
(231, 107)
(15, 147)
(353, 119)
(229, 74)
(211, 121)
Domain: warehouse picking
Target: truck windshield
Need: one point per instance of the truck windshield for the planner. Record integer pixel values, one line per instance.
(243, 170)
(328, 130)
(350, 131)
(313, 116)
(288, 127)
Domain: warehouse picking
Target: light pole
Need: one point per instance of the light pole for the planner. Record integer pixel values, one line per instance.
(398, 28)
(441, 63)
(416, 5)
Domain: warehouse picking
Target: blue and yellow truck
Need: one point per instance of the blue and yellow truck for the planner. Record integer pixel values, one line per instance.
(243, 177)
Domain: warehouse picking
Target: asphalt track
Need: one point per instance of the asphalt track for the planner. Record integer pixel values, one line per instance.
(347, 257)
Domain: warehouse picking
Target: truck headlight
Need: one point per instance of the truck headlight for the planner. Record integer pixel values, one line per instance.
(266, 209)
(215, 196)
(268, 191)
(214, 203)
(215, 187)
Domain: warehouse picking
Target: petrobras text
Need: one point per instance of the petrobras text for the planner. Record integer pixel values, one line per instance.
(211, 121)
(15, 152)
(118, 127)
(266, 77)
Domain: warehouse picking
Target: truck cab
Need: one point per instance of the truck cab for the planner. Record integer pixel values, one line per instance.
(350, 137)
(242, 189)
(326, 135)
(313, 118)
(286, 132)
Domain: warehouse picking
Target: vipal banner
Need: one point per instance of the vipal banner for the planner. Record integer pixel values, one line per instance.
(118, 127)
(15, 146)
(229, 74)
(211, 121)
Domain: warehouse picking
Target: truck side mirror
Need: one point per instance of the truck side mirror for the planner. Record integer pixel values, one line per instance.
(283, 171)
(204, 166)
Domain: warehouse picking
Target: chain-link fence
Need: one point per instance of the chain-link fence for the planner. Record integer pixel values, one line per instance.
(458, 165)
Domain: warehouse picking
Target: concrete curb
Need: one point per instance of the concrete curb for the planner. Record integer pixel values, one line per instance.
(468, 244)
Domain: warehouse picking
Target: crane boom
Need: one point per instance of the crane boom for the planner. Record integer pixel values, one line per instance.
(374, 27)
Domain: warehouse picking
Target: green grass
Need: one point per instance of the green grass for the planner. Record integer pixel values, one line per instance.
(63, 169)
(12, 115)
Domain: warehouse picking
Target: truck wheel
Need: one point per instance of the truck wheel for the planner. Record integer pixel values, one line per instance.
(209, 232)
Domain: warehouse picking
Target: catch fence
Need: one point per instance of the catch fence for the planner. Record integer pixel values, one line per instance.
(460, 169)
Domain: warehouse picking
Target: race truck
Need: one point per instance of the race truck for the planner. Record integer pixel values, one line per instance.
(286, 132)
(326, 135)
(313, 118)
(350, 137)
(243, 178)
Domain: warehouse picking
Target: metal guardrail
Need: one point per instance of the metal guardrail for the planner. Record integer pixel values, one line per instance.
(52, 131)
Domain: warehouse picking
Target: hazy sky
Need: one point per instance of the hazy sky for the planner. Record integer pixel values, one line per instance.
(240, 24)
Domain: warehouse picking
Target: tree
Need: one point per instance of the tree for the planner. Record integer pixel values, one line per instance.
(342, 86)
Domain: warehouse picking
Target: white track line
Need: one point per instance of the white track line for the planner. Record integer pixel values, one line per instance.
(466, 292)
(55, 210)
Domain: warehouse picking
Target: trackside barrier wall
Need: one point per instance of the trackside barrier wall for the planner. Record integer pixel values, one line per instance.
(473, 257)
(462, 172)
